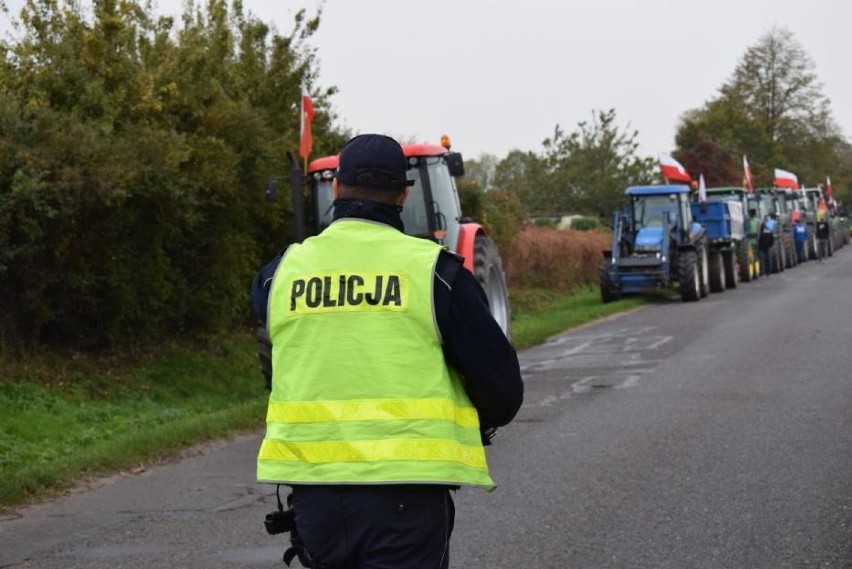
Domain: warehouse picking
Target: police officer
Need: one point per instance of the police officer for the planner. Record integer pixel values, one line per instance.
(387, 368)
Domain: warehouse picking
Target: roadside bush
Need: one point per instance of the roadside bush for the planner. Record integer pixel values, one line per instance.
(501, 213)
(585, 223)
(546, 258)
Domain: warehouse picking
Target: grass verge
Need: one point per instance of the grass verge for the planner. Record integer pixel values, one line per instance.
(63, 419)
(540, 314)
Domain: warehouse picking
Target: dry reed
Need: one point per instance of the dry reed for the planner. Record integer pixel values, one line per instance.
(542, 257)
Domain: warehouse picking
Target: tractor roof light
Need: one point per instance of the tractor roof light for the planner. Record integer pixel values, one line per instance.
(327, 174)
(445, 141)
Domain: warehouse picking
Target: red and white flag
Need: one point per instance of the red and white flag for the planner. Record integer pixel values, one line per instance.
(306, 139)
(785, 179)
(828, 188)
(748, 182)
(702, 189)
(673, 170)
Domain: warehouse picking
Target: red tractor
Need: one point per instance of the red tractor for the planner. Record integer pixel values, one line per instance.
(431, 212)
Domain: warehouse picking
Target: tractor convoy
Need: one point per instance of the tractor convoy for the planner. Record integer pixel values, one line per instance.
(666, 237)
(672, 237)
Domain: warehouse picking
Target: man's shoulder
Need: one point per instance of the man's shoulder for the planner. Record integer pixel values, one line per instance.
(447, 267)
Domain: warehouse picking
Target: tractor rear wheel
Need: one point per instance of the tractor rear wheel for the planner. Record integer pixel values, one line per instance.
(688, 273)
(732, 277)
(488, 269)
(811, 247)
(777, 260)
(703, 271)
(608, 293)
(791, 253)
(717, 271)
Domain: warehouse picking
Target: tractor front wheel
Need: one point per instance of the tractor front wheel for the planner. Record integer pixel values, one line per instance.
(608, 292)
(689, 275)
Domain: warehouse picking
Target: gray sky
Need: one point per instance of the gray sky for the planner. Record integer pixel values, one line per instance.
(497, 75)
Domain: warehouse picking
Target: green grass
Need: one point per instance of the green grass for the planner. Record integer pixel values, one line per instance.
(540, 314)
(65, 418)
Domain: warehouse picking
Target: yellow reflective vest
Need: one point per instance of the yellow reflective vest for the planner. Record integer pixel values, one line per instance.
(361, 393)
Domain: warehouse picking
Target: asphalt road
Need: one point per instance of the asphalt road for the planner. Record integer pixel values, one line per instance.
(715, 434)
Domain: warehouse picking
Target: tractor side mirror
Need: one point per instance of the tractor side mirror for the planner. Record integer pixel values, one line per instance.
(455, 164)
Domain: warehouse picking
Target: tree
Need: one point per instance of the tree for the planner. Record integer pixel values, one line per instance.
(482, 170)
(523, 175)
(771, 109)
(591, 166)
(775, 83)
(710, 160)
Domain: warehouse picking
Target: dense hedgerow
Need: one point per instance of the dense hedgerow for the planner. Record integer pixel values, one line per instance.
(133, 161)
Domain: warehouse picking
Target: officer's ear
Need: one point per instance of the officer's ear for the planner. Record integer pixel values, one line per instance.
(335, 188)
(404, 196)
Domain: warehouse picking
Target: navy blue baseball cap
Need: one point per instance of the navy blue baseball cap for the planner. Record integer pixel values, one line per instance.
(373, 161)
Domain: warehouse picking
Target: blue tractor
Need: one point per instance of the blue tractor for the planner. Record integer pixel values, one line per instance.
(655, 244)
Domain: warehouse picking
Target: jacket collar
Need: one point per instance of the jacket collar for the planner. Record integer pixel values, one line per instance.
(372, 211)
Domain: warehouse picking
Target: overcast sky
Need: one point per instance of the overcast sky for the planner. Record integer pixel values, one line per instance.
(497, 75)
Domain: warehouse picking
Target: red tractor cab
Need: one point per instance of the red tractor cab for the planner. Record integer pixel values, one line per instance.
(432, 211)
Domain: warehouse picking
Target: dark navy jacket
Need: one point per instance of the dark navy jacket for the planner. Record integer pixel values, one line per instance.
(473, 343)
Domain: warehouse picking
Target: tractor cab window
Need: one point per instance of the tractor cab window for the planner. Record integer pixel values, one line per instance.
(324, 199)
(767, 201)
(419, 211)
(414, 213)
(648, 211)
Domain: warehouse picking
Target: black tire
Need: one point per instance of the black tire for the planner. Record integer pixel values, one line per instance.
(732, 276)
(717, 271)
(777, 261)
(488, 269)
(703, 272)
(608, 292)
(745, 260)
(688, 273)
(811, 247)
(792, 261)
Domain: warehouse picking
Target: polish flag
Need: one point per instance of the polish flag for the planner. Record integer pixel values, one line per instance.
(748, 182)
(702, 189)
(828, 188)
(673, 170)
(306, 139)
(785, 179)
